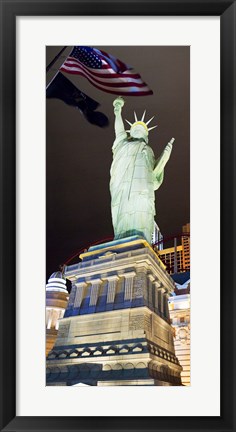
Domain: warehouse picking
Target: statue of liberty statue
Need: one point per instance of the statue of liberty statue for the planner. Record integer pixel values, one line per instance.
(135, 175)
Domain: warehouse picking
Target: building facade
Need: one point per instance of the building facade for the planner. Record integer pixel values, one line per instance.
(116, 329)
(57, 298)
(185, 240)
(177, 258)
(179, 307)
(157, 237)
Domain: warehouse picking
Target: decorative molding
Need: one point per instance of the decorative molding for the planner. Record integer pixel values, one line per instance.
(151, 277)
(144, 260)
(112, 350)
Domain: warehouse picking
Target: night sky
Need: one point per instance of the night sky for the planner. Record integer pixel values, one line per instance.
(79, 156)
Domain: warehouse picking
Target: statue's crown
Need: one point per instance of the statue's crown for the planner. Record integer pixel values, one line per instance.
(141, 122)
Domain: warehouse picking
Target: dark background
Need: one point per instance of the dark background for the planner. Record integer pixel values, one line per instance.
(79, 156)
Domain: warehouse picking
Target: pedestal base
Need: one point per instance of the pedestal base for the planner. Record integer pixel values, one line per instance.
(116, 329)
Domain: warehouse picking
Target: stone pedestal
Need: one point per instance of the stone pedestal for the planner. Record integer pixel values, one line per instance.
(116, 328)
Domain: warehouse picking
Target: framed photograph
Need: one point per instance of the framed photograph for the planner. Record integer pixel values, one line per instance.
(93, 215)
(186, 52)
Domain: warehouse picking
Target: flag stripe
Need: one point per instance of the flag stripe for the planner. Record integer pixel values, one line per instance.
(113, 82)
(106, 84)
(120, 90)
(105, 72)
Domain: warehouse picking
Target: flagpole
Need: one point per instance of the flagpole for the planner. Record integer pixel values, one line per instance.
(55, 59)
(52, 63)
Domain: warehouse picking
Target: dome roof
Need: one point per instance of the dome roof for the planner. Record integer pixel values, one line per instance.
(57, 275)
(57, 282)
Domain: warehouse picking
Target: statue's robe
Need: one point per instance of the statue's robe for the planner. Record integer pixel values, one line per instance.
(134, 177)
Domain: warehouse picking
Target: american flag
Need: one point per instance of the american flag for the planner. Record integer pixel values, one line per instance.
(105, 72)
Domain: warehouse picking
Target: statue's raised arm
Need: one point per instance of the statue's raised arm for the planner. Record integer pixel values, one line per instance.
(119, 125)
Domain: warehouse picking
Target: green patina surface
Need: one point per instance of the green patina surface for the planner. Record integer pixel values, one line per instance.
(135, 176)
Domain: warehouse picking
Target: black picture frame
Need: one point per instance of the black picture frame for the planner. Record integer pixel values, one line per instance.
(226, 9)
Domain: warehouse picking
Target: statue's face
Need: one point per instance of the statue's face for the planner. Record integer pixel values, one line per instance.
(138, 131)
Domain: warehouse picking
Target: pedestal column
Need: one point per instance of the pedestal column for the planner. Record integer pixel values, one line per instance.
(150, 289)
(111, 292)
(94, 291)
(49, 319)
(80, 289)
(166, 307)
(129, 278)
(158, 286)
(161, 297)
